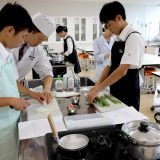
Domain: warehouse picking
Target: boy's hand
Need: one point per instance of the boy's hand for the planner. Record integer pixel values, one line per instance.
(19, 103)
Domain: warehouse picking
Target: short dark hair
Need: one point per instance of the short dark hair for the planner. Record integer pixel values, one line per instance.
(110, 10)
(15, 15)
(61, 29)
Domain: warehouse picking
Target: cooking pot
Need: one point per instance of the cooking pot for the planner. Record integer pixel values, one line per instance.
(146, 136)
(70, 142)
(57, 57)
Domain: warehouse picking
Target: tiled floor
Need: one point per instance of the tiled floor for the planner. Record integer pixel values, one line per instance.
(146, 100)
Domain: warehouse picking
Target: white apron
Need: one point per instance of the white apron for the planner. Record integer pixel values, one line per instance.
(8, 117)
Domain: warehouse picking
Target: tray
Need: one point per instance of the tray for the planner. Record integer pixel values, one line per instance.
(112, 106)
(87, 121)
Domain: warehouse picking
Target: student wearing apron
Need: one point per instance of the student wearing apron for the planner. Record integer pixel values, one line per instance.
(127, 89)
(70, 52)
(122, 70)
(15, 25)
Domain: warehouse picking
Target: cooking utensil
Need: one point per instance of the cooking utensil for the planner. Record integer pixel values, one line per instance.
(70, 142)
(53, 128)
(147, 137)
(57, 57)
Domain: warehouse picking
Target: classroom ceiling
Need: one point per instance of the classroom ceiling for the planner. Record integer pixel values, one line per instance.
(151, 2)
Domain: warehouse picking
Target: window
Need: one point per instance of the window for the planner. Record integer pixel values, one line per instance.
(83, 29)
(76, 22)
(95, 28)
(64, 21)
(100, 29)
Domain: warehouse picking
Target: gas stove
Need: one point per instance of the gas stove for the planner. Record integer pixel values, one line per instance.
(103, 144)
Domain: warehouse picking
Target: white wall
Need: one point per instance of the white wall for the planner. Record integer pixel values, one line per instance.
(145, 18)
(59, 8)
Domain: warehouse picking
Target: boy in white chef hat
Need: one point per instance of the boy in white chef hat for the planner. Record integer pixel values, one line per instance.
(44, 24)
(34, 57)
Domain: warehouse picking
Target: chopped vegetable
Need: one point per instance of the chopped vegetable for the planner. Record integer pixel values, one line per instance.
(101, 101)
(112, 99)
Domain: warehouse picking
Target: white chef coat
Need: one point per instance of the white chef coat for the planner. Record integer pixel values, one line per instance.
(101, 48)
(40, 63)
(134, 48)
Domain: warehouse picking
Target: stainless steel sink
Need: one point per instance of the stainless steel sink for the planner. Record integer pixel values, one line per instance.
(84, 81)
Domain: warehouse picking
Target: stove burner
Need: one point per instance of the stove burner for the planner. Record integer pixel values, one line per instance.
(100, 147)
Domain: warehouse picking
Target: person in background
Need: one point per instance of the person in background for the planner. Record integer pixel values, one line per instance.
(34, 57)
(102, 49)
(122, 71)
(15, 24)
(70, 52)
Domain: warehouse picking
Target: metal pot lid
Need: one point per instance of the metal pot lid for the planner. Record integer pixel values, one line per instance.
(73, 141)
(144, 132)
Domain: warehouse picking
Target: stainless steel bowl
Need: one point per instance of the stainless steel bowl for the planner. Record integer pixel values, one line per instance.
(72, 109)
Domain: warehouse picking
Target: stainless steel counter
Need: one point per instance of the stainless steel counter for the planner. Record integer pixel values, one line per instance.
(34, 149)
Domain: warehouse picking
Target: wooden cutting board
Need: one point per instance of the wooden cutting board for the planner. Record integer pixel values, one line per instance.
(112, 106)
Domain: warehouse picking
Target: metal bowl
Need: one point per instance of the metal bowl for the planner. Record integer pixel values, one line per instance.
(72, 109)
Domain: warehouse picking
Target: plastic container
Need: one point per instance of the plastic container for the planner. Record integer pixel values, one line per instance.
(65, 81)
(59, 84)
(70, 83)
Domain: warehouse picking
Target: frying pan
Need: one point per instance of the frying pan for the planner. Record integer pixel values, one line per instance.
(69, 142)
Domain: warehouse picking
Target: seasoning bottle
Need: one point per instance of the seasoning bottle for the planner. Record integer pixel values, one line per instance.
(65, 81)
(70, 83)
(59, 84)
(77, 83)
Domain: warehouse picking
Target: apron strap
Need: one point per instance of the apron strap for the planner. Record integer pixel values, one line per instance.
(131, 33)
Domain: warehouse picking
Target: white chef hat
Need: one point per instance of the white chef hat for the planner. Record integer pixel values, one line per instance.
(44, 24)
